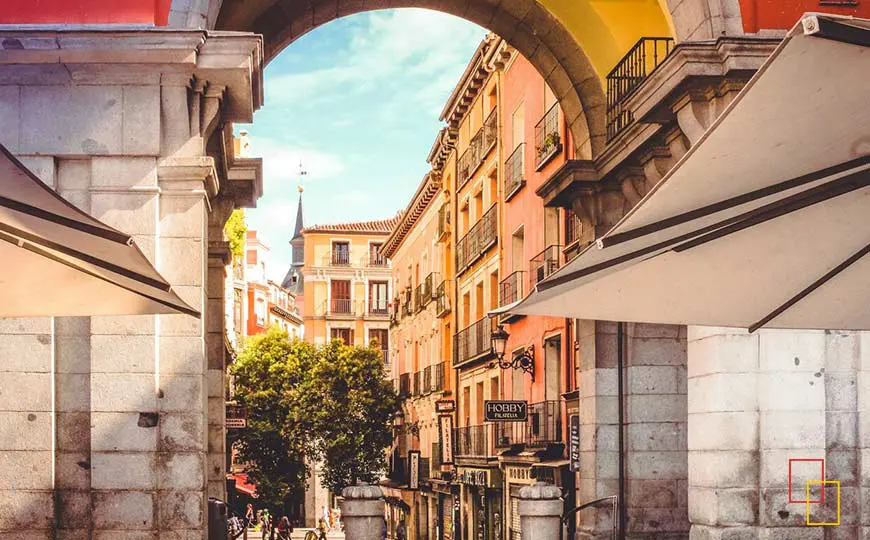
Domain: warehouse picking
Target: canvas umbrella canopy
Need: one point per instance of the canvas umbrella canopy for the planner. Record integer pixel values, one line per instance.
(764, 222)
(59, 261)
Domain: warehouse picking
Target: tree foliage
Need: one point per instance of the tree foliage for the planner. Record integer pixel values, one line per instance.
(235, 230)
(267, 370)
(305, 403)
(345, 409)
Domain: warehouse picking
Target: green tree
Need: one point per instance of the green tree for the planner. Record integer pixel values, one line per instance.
(267, 371)
(344, 408)
(235, 230)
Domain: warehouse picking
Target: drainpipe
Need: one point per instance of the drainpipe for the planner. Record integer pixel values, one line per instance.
(620, 362)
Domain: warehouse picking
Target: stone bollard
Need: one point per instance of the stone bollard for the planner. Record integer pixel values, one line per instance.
(540, 511)
(362, 512)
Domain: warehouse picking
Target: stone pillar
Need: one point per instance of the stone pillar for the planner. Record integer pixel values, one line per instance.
(540, 509)
(758, 400)
(362, 512)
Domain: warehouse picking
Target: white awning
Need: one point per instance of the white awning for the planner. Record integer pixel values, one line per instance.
(764, 221)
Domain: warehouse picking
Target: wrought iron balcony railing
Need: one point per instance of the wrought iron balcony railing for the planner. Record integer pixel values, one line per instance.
(442, 299)
(510, 289)
(416, 388)
(418, 298)
(338, 258)
(544, 426)
(338, 307)
(514, 175)
(405, 385)
(548, 141)
(477, 241)
(379, 308)
(427, 379)
(475, 441)
(376, 261)
(473, 342)
(637, 64)
(438, 377)
(478, 149)
(543, 264)
(443, 221)
(429, 284)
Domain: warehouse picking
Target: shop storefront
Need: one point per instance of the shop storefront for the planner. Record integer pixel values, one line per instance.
(482, 503)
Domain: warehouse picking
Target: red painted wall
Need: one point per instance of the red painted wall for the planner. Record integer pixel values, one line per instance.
(523, 84)
(154, 12)
(783, 14)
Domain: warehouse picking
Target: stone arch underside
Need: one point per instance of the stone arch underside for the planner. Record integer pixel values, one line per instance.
(525, 24)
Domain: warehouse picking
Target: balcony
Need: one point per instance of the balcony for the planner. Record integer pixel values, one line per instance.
(407, 302)
(514, 175)
(439, 381)
(405, 385)
(510, 290)
(418, 298)
(548, 142)
(443, 221)
(442, 299)
(337, 258)
(378, 310)
(477, 242)
(478, 149)
(543, 427)
(416, 387)
(429, 283)
(473, 342)
(427, 380)
(646, 55)
(376, 261)
(339, 307)
(475, 441)
(544, 264)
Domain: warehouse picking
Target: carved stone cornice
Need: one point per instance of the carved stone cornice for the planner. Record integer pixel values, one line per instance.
(575, 176)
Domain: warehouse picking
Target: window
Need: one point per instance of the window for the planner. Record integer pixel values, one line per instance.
(478, 290)
(340, 302)
(260, 311)
(381, 337)
(573, 227)
(517, 242)
(378, 297)
(518, 126)
(375, 257)
(344, 334)
(341, 253)
(493, 287)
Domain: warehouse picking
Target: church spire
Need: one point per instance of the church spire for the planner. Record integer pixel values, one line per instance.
(297, 233)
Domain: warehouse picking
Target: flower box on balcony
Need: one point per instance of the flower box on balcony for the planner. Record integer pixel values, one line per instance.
(154, 12)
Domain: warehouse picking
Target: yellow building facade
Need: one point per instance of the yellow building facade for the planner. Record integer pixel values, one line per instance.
(347, 283)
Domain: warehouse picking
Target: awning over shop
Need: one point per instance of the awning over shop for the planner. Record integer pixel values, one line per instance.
(764, 221)
(242, 485)
(59, 261)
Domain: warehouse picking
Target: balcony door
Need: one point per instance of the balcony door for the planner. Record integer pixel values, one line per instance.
(382, 336)
(378, 297)
(340, 291)
(341, 253)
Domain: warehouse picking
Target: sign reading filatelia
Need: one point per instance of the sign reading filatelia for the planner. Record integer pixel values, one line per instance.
(506, 411)
(445, 406)
(446, 431)
(574, 443)
(414, 469)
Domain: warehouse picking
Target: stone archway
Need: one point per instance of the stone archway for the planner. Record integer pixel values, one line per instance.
(525, 24)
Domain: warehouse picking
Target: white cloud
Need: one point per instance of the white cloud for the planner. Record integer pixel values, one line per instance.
(419, 43)
(281, 164)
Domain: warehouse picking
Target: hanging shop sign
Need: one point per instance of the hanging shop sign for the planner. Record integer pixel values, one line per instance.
(472, 476)
(443, 406)
(236, 416)
(505, 411)
(414, 469)
(445, 424)
(574, 443)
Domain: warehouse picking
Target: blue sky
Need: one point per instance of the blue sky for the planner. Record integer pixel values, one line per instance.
(357, 100)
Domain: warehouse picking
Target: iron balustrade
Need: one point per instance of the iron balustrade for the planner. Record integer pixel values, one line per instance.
(379, 309)
(543, 264)
(428, 293)
(634, 68)
(442, 299)
(510, 289)
(438, 377)
(340, 306)
(473, 341)
(418, 298)
(514, 175)
(478, 240)
(478, 149)
(474, 441)
(443, 220)
(416, 383)
(376, 261)
(427, 379)
(338, 258)
(544, 426)
(548, 142)
(404, 385)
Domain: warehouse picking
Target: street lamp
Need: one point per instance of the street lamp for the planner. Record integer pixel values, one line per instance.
(524, 360)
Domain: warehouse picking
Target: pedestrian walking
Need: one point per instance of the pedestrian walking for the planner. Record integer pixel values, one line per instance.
(249, 515)
(266, 523)
(284, 529)
(321, 529)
